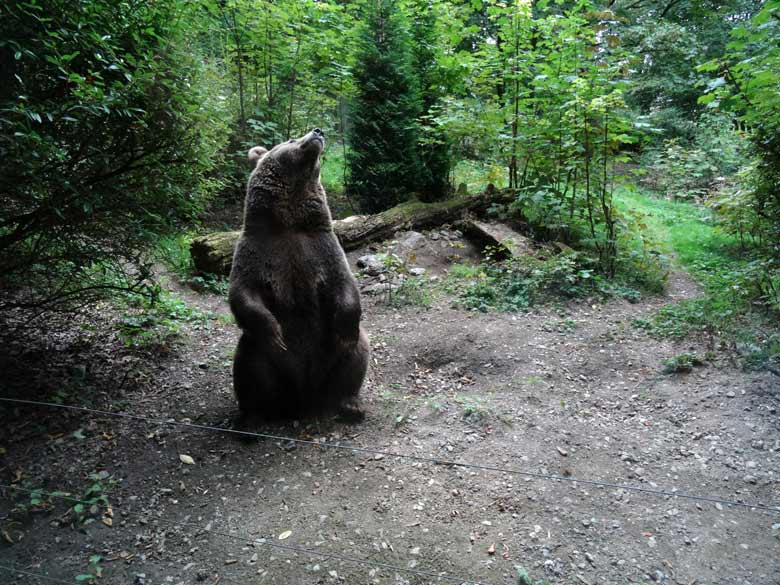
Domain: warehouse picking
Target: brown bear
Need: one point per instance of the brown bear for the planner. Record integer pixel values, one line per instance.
(302, 349)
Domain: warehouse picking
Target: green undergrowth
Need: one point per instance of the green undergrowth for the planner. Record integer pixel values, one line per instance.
(518, 283)
(174, 253)
(154, 323)
(733, 306)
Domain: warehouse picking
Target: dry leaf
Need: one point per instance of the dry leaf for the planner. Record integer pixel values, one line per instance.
(285, 535)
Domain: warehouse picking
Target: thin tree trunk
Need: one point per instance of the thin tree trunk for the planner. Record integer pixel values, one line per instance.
(239, 63)
(292, 88)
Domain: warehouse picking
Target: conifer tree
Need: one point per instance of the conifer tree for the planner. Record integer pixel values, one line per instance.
(434, 147)
(384, 164)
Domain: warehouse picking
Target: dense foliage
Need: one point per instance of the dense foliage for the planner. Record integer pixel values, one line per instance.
(748, 85)
(119, 121)
(108, 126)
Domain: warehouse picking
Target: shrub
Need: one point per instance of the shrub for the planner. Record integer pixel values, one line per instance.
(681, 363)
(107, 133)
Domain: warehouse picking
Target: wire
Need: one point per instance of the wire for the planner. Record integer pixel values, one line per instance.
(417, 458)
(265, 542)
(36, 575)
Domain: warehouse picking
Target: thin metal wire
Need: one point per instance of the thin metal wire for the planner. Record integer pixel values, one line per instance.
(267, 541)
(55, 580)
(418, 458)
(36, 575)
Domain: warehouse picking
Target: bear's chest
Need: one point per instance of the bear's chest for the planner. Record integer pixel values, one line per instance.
(305, 267)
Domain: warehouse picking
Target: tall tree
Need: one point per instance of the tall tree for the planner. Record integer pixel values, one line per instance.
(384, 164)
(434, 145)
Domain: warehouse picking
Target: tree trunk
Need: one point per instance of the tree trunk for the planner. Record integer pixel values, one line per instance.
(213, 253)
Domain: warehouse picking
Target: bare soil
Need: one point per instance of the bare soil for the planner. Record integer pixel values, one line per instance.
(567, 390)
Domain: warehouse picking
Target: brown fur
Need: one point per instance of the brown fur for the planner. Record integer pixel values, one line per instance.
(292, 293)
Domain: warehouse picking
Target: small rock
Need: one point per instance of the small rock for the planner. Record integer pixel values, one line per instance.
(379, 288)
(563, 452)
(372, 264)
(408, 242)
(140, 579)
(416, 271)
(659, 577)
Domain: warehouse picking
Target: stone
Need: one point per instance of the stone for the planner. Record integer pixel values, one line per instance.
(379, 288)
(372, 264)
(416, 271)
(498, 235)
(408, 242)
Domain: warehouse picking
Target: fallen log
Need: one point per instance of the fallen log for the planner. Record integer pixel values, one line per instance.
(213, 253)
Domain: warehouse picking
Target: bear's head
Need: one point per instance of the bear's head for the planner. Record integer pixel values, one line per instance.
(285, 183)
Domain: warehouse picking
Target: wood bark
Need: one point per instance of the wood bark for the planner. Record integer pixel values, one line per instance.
(213, 253)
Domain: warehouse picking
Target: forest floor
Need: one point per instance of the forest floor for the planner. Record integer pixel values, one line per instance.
(571, 390)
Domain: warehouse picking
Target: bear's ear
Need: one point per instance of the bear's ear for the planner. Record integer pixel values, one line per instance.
(255, 154)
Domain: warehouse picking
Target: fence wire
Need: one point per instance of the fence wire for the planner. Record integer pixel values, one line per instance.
(267, 541)
(416, 458)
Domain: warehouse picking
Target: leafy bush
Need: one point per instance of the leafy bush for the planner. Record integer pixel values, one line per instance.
(415, 292)
(518, 283)
(155, 324)
(684, 362)
(745, 83)
(683, 172)
(108, 129)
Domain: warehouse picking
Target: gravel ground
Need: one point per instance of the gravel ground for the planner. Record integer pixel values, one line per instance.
(572, 391)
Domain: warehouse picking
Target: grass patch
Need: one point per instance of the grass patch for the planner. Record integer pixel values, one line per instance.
(518, 283)
(412, 292)
(154, 324)
(733, 306)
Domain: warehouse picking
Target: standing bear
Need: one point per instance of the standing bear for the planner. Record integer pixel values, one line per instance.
(302, 349)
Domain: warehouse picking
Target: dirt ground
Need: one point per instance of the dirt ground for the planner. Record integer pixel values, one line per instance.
(568, 390)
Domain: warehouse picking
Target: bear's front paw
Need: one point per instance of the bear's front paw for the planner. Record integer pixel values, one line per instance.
(279, 343)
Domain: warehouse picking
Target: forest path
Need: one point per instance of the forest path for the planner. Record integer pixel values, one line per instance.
(573, 391)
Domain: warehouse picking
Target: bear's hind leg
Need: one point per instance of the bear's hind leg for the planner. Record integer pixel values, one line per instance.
(255, 380)
(345, 380)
